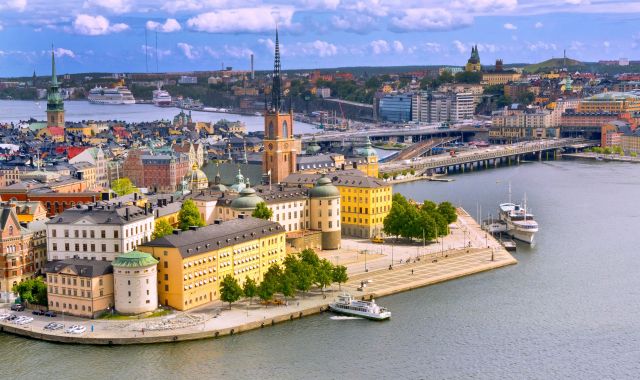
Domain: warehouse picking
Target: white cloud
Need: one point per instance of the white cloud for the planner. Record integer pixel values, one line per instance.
(576, 45)
(460, 47)
(209, 50)
(13, 5)
(538, 25)
(152, 52)
(577, 2)
(398, 47)
(96, 25)
(171, 25)
(540, 45)
(320, 48)
(356, 23)
(432, 47)
(1, 27)
(510, 26)
(606, 44)
(379, 46)
(61, 52)
(237, 51)
(484, 5)
(187, 50)
(370, 7)
(429, 19)
(115, 6)
(248, 20)
(192, 5)
(320, 4)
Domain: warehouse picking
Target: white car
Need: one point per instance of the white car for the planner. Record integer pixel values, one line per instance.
(75, 329)
(4, 316)
(24, 321)
(19, 319)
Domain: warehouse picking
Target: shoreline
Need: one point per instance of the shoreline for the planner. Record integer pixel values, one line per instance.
(208, 322)
(602, 156)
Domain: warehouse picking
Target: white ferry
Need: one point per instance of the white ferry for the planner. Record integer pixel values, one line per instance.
(161, 98)
(520, 223)
(116, 95)
(347, 305)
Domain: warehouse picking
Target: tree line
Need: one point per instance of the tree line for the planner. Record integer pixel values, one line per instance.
(299, 273)
(411, 221)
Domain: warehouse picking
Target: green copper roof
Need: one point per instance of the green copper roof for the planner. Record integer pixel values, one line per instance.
(54, 98)
(324, 188)
(134, 259)
(248, 200)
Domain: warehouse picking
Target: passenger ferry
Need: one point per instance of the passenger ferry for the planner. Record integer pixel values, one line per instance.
(116, 95)
(161, 98)
(347, 305)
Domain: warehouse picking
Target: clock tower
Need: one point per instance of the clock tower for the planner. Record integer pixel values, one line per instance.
(280, 148)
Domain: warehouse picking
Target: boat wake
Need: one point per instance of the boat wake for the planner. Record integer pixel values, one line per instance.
(342, 318)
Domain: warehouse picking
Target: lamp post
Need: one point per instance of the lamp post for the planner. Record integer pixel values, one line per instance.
(391, 255)
(365, 261)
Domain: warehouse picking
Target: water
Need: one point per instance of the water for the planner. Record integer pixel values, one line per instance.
(16, 110)
(569, 309)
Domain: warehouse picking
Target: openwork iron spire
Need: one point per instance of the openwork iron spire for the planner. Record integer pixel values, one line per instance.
(276, 88)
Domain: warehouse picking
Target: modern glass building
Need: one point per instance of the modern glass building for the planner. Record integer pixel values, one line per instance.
(396, 108)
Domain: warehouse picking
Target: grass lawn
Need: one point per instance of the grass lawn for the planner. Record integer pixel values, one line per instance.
(157, 313)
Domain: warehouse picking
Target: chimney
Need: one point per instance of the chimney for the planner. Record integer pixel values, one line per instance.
(165, 201)
(217, 221)
(90, 207)
(126, 213)
(193, 228)
(135, 196)
(176, 232)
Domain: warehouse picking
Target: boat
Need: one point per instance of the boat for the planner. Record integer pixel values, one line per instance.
(116, 95)
(494, 226)
(161, 98)
(521, 224)
(345, 304)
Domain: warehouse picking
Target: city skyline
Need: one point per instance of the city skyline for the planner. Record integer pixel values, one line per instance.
(98, 35)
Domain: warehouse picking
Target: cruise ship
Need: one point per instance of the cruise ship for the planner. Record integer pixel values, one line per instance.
(347, 305)
(161, 98)
(520, 224)
(116, 95)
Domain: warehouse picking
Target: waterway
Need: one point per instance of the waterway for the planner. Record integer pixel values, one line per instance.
(17, 110)
(569, 309)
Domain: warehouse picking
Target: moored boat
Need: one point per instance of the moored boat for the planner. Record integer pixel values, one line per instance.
(345, 304)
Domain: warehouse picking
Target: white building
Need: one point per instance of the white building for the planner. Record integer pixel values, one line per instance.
(98, 232)
(438, 107)
(188, 80)
(135, 283)
(96, 157)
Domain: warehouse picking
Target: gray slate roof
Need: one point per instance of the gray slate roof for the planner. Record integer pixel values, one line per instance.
(100, 215)
(84, 267)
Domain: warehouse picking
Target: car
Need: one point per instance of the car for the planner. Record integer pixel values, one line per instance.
(4, 316)
(38, 312)
(12, 317)
(24, 321)
(377, 240)
(50, 314)
(54, 326)
(75, 329)
(17, 307)
(19, 319)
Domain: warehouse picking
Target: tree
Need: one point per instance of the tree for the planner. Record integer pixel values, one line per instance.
(270, 283)
(468, 77)
(33, 290)
(304, 276)
(189, 215)
(340, 275)
(162, 228)
(250, 288)
(447, 210)
(262, 211)
(324, 274)
(123, 186)
(266, 291)
(287, 284)
(230, 290)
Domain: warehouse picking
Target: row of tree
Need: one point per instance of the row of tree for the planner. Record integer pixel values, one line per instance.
(426, 221)
(300, 272)
(33, 291)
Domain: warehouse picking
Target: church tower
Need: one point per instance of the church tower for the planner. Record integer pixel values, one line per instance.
(280, 148)
(55, 104)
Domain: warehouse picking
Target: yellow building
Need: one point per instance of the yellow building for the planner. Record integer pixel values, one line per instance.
(29, 211)
(365, 201)
(192, 263)
(613, 102)
(80, 128)
(80, 287)
(499, 77)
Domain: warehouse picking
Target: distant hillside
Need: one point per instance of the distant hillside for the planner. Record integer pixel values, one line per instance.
(553, 63)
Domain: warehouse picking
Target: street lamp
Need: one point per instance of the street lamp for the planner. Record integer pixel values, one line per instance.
(365, 261)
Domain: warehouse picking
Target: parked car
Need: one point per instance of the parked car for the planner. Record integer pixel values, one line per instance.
(54, 326)
(50, 314)
(4, 316)
(377, 240)
(75, 329)
(38, 312)
(17, 307)
(12, 317)
(24, 321)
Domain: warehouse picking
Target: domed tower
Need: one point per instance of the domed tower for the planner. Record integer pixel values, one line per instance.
(313, 148)
(197, 179)
(246, 202)
(325, 212)
(135, 283)
(239, 183)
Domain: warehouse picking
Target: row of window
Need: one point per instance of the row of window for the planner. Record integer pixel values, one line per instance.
(72, 292)
(70, 306)
(132, 231)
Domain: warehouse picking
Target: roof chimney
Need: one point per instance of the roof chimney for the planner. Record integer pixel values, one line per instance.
(176, 232)
(126, 213)
(193, 228)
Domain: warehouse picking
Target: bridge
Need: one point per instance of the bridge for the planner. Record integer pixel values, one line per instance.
(420, 148)
(493, 156)
(408, 134)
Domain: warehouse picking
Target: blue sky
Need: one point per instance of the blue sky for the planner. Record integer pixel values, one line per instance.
(109, 35)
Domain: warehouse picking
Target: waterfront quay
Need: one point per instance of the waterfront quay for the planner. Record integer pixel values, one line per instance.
(487, 157)
(467, 250)
(600, 156)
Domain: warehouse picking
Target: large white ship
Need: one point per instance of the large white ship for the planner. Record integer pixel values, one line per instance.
(346, 304)
(116, 95)
(161, 98)
(520, 223)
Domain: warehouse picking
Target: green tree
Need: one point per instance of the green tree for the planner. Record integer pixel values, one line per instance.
(324, 274)
(310, 257)
(189, 215)
(250, 288)
(262, 211)
(123, 186)
(468, 77)
(340, 275)
(287, 284)
(304, 276)
(270, 283)
(266, 291)
(447, 210)
(633, 154)
(230, 290)
(32, 290)
(162, 228)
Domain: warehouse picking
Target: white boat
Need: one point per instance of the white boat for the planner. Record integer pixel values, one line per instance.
(347, 305)
(161, 98)
(494, 226)
(116, 95)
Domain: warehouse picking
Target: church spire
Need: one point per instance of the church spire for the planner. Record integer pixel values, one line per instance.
(54, 78)
(276, 88)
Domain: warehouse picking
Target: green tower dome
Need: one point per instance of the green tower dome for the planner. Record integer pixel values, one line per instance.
(324, 188)
(367, 150)
(313, 147)
(134, 259)
(248, 200)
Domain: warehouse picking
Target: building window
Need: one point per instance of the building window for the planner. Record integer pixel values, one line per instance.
(115, 234)
(103, 234)
(116, 247)
(53, 232)
(104, 248)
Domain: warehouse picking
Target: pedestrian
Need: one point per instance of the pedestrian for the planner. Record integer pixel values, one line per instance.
(411, 271)
(143, 331)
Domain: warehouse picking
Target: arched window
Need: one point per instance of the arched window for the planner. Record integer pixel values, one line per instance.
(285, 129)
(270, 131)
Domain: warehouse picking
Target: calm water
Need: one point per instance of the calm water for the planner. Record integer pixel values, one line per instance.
(569, 309)
(13, 111)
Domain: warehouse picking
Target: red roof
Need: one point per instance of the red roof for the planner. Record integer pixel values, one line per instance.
(73, 151)
(56, 131)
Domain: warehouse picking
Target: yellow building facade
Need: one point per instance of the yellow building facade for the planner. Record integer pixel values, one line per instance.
(365, 202)
(192, 263)
(614, 102)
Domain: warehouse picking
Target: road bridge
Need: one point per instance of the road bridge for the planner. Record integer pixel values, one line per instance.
(408, 134)
(493, 156)
(420, 148)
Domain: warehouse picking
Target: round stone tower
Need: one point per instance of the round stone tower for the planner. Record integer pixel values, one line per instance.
(135, 283)
(325, 212)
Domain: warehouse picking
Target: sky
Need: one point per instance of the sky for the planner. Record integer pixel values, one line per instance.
(109, 35)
